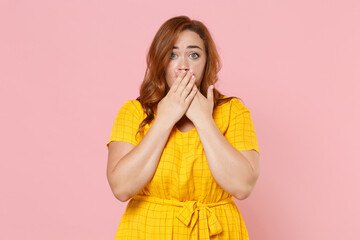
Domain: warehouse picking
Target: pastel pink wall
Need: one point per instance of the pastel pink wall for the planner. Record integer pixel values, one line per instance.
(66, 67)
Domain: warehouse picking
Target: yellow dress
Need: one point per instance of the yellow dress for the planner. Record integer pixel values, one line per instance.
(183, 200)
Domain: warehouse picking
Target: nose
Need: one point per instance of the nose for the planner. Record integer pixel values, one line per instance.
(183, 65)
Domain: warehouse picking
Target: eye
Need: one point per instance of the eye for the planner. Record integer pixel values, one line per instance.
(172, 55)
(195, 54)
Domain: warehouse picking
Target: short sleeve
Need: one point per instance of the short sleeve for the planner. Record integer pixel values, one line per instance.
(126, 124)
(241, 131)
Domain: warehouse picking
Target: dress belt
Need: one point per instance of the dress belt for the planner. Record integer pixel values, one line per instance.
(191, 212)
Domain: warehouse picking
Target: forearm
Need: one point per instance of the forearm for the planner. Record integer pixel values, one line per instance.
(231, 170)
(137, 167)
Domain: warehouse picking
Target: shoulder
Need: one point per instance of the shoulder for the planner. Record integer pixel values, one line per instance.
(131, 109)
(237, 106)
(225, 112)
(132, 105)
(234, 104)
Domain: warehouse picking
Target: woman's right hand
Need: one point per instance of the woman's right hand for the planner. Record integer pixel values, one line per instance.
(176, 102)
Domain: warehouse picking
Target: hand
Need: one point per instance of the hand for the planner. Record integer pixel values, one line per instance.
(201, 108)
(173, 106)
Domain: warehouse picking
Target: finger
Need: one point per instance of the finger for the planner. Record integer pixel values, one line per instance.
(183, 83)
(177, 81)
(191, 95)
(210, 93)
(188, 88)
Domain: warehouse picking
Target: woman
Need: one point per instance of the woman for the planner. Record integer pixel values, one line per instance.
(181, 150)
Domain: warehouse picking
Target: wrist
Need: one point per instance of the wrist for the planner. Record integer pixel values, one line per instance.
(204, 123)
(165, 123)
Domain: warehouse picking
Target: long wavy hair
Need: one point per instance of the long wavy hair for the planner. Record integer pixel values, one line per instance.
(154, 86)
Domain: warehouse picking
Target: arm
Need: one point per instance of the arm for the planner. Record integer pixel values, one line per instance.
(131, 167)
(235, 171)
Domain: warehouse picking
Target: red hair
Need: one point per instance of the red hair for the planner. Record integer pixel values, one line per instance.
(154, 86)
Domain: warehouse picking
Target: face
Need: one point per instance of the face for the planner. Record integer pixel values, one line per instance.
(188, 54)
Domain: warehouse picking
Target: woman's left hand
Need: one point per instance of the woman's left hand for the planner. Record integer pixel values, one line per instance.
(201, 108)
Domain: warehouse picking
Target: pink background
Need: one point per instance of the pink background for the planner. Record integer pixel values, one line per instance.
(66, 67)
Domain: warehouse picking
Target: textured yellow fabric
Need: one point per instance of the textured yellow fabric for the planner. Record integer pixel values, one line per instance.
(183, 200)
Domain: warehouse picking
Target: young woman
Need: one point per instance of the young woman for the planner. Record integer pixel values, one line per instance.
(182, 150)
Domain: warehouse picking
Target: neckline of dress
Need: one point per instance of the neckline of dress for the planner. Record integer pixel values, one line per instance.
(177, 130)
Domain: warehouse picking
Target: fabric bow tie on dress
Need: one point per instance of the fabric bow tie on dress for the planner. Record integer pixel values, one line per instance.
(192, 211)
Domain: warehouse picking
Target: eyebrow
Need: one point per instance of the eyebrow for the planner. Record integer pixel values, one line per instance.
(190, 46)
